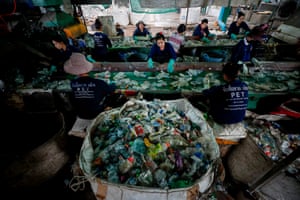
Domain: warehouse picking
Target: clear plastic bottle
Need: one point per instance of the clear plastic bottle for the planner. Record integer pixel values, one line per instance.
(160, 177)
(145, 178)
(125, 164)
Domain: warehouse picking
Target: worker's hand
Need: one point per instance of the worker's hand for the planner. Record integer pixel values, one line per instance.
(53, 68)
(233, 36)
(150, 63)
(90, 59)
(171, 66)
(205, 39)
(107, 108)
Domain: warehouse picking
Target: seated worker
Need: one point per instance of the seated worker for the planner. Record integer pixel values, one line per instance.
(119, 30)
(141, 30)
(102, 42)
(228, 102)
(242, 51)
(162, 52)
(201, 31)
(236, 26)
(88, 93)
(177, 39)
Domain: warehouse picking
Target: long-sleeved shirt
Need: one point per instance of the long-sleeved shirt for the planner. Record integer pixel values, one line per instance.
(102, 42)
(177, 41)
(138, 32)
(233, 28)
(228, 102)
(199, 32)
(162, 56)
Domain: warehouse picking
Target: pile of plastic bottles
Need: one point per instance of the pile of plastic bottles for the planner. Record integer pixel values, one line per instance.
(151, 145)
(274, 143)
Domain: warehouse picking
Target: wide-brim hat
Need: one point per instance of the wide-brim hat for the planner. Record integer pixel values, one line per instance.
(77, 64)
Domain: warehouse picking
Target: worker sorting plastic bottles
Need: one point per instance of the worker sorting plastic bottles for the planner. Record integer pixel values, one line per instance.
(228, 104)
(162, 52)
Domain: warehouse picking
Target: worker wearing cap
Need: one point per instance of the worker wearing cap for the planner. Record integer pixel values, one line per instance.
(141, 30)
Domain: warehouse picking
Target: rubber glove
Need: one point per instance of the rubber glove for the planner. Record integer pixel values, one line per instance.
(53, 68)
(171, 66)
(89, 58)
(205, 39)
(233, 36)
(211, 35)
(150, 63)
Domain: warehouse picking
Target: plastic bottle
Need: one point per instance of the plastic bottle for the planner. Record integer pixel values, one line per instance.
(154, 150)
(149, 163)
(138, 146)
(199, 153)
(126, 164)
(206, 82)
(145, 178)
(160, 178)
(112, 175)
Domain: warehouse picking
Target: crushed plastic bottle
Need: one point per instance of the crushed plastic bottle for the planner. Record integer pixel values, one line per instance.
(125, 164)
(160, 178)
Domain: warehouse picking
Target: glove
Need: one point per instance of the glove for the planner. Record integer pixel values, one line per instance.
(205, 39)
(89, 58)
(247, 32)
(150, 63)
(211, 35)
(233, 36)
(53, 68)
(171, 66)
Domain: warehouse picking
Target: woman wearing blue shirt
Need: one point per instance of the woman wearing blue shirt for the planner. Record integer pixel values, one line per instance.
(162, 52)
(236, 26)
(102, 43)
(141, 30)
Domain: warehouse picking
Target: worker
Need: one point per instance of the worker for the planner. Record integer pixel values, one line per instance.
(236, 26)
(119, 30)
(102, 43)
(65, 49)
(162, 52)
(141, 30)
(228, 102)
(201, 32)
(177, 40)
(88, 93)
(242, 51)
